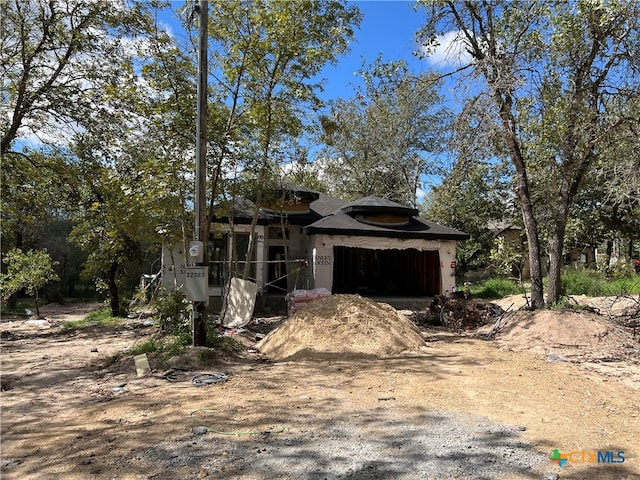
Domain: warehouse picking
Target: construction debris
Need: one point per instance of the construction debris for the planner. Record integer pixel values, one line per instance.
(298, 299)
(457, 314)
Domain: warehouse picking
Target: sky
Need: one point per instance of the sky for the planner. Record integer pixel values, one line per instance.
(388, 27)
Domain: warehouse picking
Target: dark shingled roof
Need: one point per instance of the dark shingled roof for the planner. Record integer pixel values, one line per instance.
(342, 224)
(378, 205)
(333, 216)
(327, 204)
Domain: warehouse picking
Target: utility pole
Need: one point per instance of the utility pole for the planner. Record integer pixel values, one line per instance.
(200, 224)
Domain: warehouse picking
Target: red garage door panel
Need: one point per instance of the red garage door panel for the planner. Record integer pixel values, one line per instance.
(386, 272)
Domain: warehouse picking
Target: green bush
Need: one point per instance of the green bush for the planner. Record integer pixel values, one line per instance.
(495, 288)
(151, 345)
(169, 346)
(222, 343)
(622, 271)
(172, 311)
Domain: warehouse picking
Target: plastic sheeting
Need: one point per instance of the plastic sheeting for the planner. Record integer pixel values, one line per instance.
(241, 301)
(382, 243)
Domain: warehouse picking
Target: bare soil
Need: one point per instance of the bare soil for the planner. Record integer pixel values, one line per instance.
(547, 380)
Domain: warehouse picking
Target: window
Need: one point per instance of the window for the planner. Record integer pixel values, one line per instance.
(217, 253)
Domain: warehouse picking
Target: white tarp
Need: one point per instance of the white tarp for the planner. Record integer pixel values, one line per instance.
(241, 301)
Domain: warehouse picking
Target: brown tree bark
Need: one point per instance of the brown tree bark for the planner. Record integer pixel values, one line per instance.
(114, 297)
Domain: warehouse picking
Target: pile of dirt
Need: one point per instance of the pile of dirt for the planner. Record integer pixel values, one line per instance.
(571, 333)
(348, 326)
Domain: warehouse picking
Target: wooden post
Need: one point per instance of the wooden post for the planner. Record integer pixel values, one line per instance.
(200, 227)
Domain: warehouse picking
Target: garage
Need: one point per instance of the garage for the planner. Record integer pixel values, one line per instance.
(406, 272)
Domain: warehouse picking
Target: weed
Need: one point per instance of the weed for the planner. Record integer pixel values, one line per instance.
(168, 346)
(207, 357)
(594, 284)
(97, 317)
(112, 360)
(148, 346)
(567, 303)
(496, 288)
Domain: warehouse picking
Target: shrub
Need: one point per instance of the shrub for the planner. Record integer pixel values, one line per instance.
(583, 282)
(172, 311)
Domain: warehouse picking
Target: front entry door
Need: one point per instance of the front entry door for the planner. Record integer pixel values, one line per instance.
(277, 279)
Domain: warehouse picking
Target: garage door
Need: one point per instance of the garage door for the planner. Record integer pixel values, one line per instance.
(407, 272)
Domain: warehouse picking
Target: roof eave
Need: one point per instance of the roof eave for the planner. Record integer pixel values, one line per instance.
(389, 234)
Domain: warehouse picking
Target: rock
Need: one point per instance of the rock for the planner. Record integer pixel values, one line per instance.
(200, 430)
(10, 463)
(550, 476)
(38, 324)
(94, 349)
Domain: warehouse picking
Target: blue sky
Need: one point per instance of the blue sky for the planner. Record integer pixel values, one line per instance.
(388, 27)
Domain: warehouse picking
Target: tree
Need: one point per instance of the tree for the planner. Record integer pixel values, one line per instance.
(266, 57)
(35, 186)
(29, 271)
(109, 89)
(553, 75)
(378, 142)
(470, 198)
(55, 57)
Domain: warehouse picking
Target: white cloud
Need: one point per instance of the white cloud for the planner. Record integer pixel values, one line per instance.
(449, 51)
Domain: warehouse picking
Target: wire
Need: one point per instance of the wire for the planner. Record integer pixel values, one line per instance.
(200, 379)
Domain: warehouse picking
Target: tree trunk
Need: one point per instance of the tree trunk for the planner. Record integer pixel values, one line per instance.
(556, 260)
(535, 263)
(505, 102)
(37, 302)
(114, 298)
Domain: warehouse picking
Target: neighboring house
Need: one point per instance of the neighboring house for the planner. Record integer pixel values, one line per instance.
(371, 246)
(575, 257)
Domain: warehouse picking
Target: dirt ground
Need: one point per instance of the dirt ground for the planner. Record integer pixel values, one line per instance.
(564, 380)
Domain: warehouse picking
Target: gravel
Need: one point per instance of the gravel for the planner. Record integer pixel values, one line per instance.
(370, 445)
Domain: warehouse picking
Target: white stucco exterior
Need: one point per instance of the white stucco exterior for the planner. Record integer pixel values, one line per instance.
(321, 260)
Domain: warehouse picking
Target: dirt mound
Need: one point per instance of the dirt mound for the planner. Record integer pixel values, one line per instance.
(573, 333)
(342, 325)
